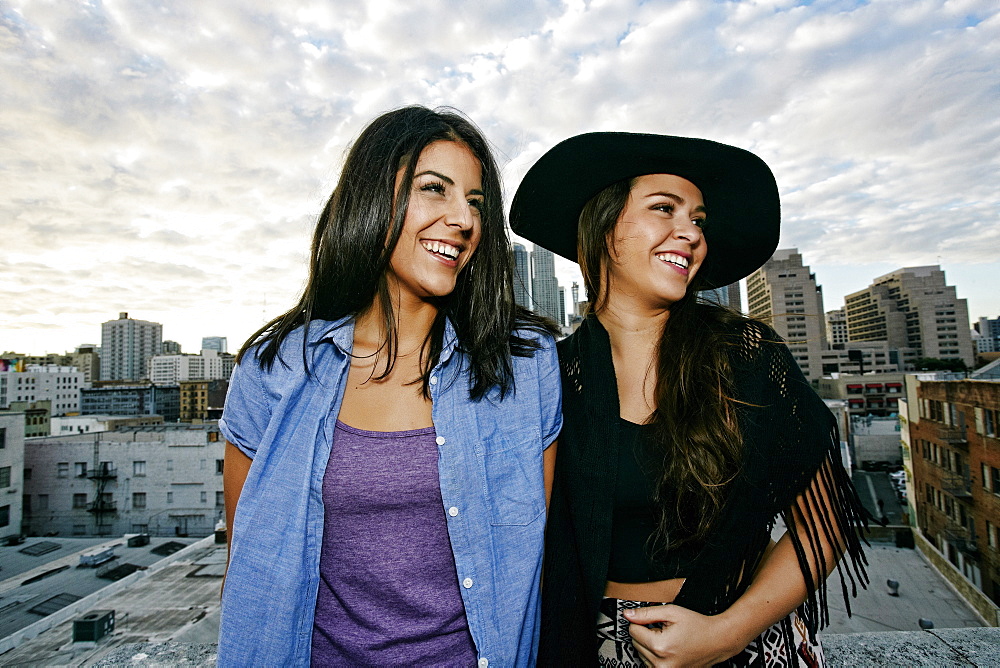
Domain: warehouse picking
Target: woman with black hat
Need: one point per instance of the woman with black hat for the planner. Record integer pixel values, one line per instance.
(688, 429)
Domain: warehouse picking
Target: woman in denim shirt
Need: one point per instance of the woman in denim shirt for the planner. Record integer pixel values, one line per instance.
(389, 438)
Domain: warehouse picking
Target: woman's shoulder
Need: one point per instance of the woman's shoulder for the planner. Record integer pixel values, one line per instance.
(294, 349)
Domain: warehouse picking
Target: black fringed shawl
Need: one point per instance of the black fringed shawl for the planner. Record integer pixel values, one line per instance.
(790, 440)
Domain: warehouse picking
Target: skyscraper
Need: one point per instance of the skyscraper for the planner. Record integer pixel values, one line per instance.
(912, 307)
(727, 295)
(784, 294)
(127, 345)
(544, 286)
(216, 343)
(522, 276)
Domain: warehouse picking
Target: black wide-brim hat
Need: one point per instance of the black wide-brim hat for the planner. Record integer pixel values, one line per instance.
(741, 196)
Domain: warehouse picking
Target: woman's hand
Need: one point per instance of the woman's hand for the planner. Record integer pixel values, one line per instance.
(686, 638)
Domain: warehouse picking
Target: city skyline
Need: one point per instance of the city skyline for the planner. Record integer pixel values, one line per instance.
(170, 161)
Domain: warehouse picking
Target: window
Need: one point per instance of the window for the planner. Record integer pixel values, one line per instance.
(80, 469)
(219, 465)
(170, 497)
(4, 515)
(4, 476)
(204, 497)
(140, 528)
(995, 479)
(213, 436)
(43, 501)
(79, 500)
(991, 535)
(203, 464)
(989, 422)
(139, 468)
(170, 465)
(27, 474)
(986, 479)
(139, 500)
(62, 470)
(220, 499)
(79, 529)
(3, 437)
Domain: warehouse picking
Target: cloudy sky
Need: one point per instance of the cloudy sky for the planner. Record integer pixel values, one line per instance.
(168, 158)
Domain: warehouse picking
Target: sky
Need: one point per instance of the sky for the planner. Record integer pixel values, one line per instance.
(168, 158)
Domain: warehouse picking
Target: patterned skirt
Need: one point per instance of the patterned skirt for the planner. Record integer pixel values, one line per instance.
(615, 647)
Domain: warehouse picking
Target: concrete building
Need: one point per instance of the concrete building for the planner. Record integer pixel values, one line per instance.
(59, 384)
(170, 348)
(784, 294)
(217, 343)
(987, 335)
(544, 285)
(522, 276)
(162, 480)
(956, 469)
(132, 399)
(127, 345)
(86, 424)
(87, 360)
(875, 440)
(37, 416)
(209, 365)
(913, 308)
(836, 326)
(202, 399)
(12, 473)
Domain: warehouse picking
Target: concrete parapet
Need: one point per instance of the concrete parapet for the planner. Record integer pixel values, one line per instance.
(941, 648)
(977, 599)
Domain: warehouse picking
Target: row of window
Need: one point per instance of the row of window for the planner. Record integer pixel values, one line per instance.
(944, 457)
(106, 500)
(138, 468)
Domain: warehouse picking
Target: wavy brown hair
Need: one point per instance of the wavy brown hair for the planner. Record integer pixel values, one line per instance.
(694, 423)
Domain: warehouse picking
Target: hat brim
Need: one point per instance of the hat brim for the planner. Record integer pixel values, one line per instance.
(740, 193)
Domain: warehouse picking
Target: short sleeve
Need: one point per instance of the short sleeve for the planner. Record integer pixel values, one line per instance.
(549, 390)
(246, 412)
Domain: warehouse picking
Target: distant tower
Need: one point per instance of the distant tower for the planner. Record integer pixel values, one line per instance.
(727, 295)
(575, 292)
(836, 326)
(522, 276)
(784, 294)
(912, 307)
(562, 306)
(127, 345)
(170, 348)
(544, 286)
(217, 343)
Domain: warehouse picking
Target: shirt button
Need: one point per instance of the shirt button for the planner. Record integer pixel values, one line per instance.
(439, 440)
(453, 511)
(467, 583)
(434, 380)
(483, 663)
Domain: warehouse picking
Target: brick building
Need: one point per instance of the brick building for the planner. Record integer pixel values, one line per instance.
(956, 475)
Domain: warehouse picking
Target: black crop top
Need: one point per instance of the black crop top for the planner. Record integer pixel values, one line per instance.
(635, 516)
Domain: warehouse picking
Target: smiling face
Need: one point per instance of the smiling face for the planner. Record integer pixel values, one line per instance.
(442, 226)
(657, 245)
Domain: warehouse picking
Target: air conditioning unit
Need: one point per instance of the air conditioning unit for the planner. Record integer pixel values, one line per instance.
(93, 626)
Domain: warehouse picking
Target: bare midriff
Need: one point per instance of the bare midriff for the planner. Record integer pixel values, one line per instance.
(661, 591)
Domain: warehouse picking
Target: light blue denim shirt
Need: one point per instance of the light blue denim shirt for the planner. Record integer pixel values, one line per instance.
(490, 469)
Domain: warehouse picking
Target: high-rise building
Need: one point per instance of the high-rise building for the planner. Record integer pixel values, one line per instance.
(216, 343)
(727, 295)
(127, 345)
(987, 332)
(59, 384)
(209, 365)
(522, 276)
(562, 306)
(784, 294)
(912, 307)
(544, 285)
(86, 358)
(170, 348)
(836, 326)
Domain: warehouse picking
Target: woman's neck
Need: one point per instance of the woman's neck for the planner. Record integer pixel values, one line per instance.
(635, 338)
(412, 321)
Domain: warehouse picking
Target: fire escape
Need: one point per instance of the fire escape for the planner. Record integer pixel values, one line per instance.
(103, 506)
(959, 532)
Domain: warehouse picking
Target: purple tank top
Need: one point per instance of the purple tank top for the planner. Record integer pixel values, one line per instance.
(388, 591)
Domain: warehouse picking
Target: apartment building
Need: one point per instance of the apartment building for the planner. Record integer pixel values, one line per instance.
(126, 346)
(955, 451)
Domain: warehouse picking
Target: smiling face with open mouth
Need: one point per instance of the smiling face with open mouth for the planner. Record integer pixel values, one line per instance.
(657, 246)
(442, 226)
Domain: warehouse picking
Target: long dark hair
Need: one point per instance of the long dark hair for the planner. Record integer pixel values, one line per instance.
(358, 230)
(694, 423)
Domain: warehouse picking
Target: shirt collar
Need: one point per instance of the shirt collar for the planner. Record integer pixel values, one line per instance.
(340, 333)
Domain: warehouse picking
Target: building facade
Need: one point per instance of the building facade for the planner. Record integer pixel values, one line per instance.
(912, 308)
(12, 473)
(59, 384)
(784, 294)
(727, 295)
(522, 276)
(86, 424)
(836, 327)
(217, 343)
(987, 335)
(544, 285)
(209, 365)
(955, 448)
(127, 345)
(163, 480)
(202, 399)
(131, 399)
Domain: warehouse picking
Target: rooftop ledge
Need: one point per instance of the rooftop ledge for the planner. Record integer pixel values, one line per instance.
(941, 648)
